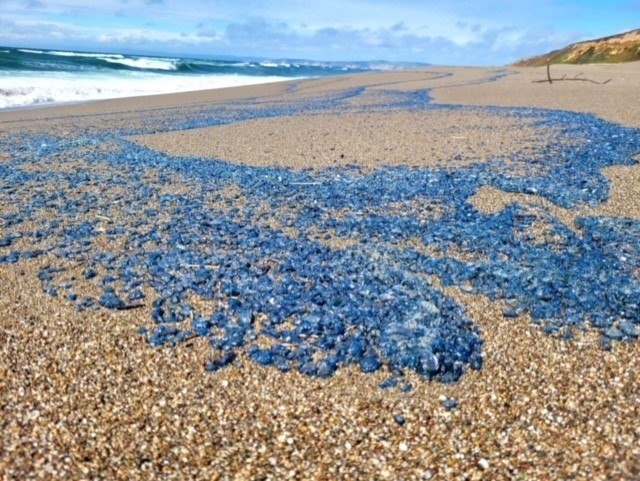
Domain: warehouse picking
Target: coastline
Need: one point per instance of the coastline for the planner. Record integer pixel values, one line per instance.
(265, 80)
(162, 99)
(516, 89)
(84, 394)
(30, 76)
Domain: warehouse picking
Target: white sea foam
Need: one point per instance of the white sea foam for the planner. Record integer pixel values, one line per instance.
(21, 89)
(61, 53)
(27, 50)
(275, 64)
(146, 63)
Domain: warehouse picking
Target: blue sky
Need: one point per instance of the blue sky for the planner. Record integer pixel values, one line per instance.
(464, 32)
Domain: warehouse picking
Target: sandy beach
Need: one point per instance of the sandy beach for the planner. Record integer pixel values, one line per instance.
(133, 214)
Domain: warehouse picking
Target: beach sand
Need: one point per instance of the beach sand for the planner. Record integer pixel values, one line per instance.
(84, 396)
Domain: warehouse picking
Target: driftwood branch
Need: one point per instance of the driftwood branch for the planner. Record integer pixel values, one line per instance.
(577, 78)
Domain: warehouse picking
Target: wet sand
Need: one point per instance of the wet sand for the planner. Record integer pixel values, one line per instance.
(84, 396)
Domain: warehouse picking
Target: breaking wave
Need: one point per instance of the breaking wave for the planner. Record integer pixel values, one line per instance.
(30, 76)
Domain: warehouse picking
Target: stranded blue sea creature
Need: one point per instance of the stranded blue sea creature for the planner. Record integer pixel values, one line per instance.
(259, 272)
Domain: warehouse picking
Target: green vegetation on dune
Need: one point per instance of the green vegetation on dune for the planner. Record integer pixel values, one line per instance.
(624, 47)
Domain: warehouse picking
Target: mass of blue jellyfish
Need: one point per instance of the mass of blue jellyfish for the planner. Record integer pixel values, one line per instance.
(247, 259)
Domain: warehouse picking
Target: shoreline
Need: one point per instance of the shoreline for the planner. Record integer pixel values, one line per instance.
(612, 99)
(35, 76)
(45, 105)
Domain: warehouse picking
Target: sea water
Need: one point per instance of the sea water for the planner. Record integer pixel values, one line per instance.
(35, 76)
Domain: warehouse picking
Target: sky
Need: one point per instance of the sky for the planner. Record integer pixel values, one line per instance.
(455, 32)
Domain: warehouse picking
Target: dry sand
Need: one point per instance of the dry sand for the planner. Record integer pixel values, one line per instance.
(82, 396)
(426, 138)
(617, 101)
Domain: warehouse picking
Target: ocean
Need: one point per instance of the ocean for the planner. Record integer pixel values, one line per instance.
(31, 77)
